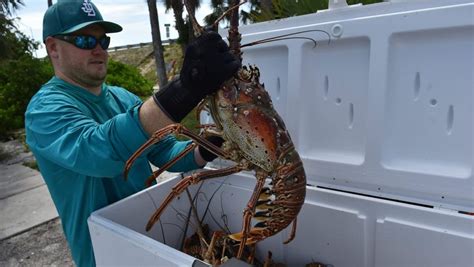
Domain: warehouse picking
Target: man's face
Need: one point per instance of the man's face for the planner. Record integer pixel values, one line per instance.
(87, 68)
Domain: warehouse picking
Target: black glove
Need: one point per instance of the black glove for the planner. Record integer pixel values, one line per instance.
(206, 154)
(207, 64)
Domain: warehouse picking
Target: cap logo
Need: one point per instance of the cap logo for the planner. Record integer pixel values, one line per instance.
(88, 9)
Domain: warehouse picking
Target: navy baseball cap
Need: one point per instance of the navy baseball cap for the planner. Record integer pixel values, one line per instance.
(67, 16)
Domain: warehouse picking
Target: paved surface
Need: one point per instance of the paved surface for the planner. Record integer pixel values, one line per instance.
(24, 198)
(30, 230)
(43, 245)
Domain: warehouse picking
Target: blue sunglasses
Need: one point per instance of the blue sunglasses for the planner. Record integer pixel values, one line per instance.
(86, 42)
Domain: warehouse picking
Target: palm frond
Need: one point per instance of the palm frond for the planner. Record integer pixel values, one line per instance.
(8, 7)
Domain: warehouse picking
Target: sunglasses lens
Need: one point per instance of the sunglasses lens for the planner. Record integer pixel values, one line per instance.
(91, 42)
(104, 42)
(85, 41)
(80, 42)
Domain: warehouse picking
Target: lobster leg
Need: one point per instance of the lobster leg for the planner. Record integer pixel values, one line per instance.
(201, 107)
(293, 232)
(183, 153)
(210, 256)
(249, 212)
(170, 163)
(176, 129)
(187, 181)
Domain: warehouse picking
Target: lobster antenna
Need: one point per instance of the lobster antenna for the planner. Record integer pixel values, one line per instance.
(210, 200)
(285, 37)
(214, 25)
(279, 39)
(234, 36)
(188, 218)
(161, 223)
(198, 30)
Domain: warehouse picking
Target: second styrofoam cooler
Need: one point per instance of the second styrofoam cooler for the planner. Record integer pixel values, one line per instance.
(382, 117)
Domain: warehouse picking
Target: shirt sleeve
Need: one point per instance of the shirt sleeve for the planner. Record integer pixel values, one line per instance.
(61, 132)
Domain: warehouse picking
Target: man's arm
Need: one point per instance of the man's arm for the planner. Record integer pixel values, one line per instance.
(152, 117)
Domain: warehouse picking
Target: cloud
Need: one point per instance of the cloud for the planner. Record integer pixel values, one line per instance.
(123, 11)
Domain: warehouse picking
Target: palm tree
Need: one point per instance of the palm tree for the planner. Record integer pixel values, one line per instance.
(157, 44)
(182, 26)
(8, 6)
(221, 6)
(263, 10)
(218, 8)
(193, 5)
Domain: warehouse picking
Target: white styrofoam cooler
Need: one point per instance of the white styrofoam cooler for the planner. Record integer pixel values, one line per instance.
(338, 228)
(382, 117)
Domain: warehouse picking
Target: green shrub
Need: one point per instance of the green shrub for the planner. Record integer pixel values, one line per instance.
(20, 80)
(128, 77)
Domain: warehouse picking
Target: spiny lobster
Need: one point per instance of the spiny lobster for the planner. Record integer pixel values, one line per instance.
(255, 139)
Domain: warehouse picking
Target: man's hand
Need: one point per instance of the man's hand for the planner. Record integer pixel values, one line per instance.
(206, 154)
(207, 64)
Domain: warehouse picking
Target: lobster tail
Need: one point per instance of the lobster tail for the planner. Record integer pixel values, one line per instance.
(279, 205)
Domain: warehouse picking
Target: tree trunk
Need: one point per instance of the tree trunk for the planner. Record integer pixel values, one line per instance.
(192, 10)
(157, 45)
(178, 7)
(50, 3)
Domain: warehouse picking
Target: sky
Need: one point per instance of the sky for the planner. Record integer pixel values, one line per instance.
(132, 15)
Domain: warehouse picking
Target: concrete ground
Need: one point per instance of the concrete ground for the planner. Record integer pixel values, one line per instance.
(42, 245)
(30, 231)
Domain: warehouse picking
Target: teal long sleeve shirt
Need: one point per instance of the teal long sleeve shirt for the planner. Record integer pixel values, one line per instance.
(81, 143)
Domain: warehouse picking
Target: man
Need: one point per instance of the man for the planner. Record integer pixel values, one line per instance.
(83, 131)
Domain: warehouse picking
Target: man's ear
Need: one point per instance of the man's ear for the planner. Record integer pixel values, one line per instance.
(51, 47)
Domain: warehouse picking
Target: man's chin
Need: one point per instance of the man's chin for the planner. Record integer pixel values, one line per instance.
(99, 78)
(96, 80)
